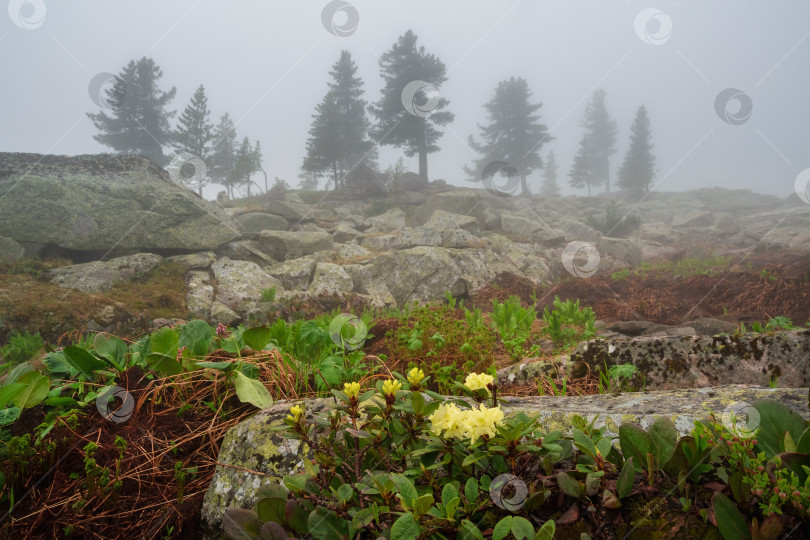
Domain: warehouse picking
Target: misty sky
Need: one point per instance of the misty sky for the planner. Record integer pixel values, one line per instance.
(266, 63)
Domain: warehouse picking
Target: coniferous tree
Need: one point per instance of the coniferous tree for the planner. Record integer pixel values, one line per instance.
(138, 122)
(580, 172)
(222, 158)
(638, 169)
(417, 134)
(338, 138)
(194, 132)
(514, 134)
(601, 131)
(550, 187)
(247, 161)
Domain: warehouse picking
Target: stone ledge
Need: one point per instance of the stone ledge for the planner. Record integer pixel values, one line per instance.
(252, 446)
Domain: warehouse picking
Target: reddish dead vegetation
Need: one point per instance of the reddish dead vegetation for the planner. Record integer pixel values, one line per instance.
(158, 435)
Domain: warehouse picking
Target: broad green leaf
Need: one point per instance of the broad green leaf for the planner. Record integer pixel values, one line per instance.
(803, 444)
(17, 372)
(502, 528)
(165, 341)
(789, 444)
(774, 420)
(451, 507)
(164, 364)
(196, 336)
(624, 483)
(635, 443)
(794, 461)
(273, 531)
(257, 338)
(9, 392)
(663, 436)
(241, 523)
(251, 391)
(547, 531)
(569, 485)
(406, 490)
(405, 528)
(36, 389)
(111, 348)
(62, 402)
(296, 517)
(326, 525)
(423, 504)
(9, 416)
(215, 365)
(584, 443)
(732, 523)
(471, 490)
(271, 509)
(449, 492)
(604, 446)
(345, 493)
(469, 530)
(57, 363)
(83, 360)
(522, 528)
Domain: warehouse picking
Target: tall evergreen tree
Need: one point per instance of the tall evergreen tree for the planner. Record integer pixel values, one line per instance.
(580, 172)
(139, 121)
(514, 133)
(406, 63)
(601, 131)
(550, 187)
(338, 138)
(222, 158)
(247, 161)
(638, 169)
(194, 132)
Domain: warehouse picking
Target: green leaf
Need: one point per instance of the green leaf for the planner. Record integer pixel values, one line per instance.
(803, 444)
(471, 490)
(635, 443)
(196, 336)
(423, 504)
(257, 338)
(468, 530)
(584, 443)
(326, 525)
(9, 416)
(405, 528)
(407, 491)
(732, 523)
(604, 446)
(251, 391)
(663, 436)
(794, 461)
(61, 402)
(449, 492)
(295, 482)
(111, 348)
(36, 390)
(273, 531)
(296, 517)
(164, 341)
(522, 528)
(451, 506)
(241, 523)
(271, 509)
(164, 364)
(547, 531)
(56, 363)
(222, 366)
(502, 528)
(344, 493)
(774, 420)
(9, 392)
(569, 485)
(82, 360)
(624, 483)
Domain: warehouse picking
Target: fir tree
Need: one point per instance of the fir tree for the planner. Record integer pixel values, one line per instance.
(222, 158)
(404, 64)
(601, 131)
(514, 133)
(638, 169)
(550, 187)
(580, 172)
(194, 132)
(139, 121)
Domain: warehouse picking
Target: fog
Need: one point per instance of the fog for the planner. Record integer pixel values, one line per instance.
(267, 64)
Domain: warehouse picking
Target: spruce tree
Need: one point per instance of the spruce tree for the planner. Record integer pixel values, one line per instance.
(580, 172)
(338, 138)
(138, 122)
(404, 64)
(601, 131)
(222, 158)
(550, 187)
(638, 169)
(194, 132)
(514, 133)
(247, 161)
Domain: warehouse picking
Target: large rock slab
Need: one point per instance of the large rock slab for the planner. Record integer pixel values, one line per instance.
(254, 222)
(695, 361)
(284, 245)
(252, 447)
(239, 282)
(10, 250)
(103, 202)
(100, 276)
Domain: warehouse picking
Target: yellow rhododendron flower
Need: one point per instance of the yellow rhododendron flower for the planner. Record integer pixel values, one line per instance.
(467, 424)
(295, 413)
(352, 390)
(479, 381)
(391, 387)
(415, 376)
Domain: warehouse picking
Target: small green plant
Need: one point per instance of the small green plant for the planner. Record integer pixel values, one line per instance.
(767, 275)
(22, 346)
(616, 378)
(180, 477)
(269, 294)
(568, 324)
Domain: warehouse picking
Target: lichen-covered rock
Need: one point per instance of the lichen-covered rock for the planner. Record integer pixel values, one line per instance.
(294, 275)
(10, 250)
(285, 245)
(254, 222)
(104, 202)
(100, 276)
(419, 236)
(694, 361)
(241, 281)
(389, 221)
(195, 261)
(200, 293)
(331, 279)
(252, 454)
(445, 220)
